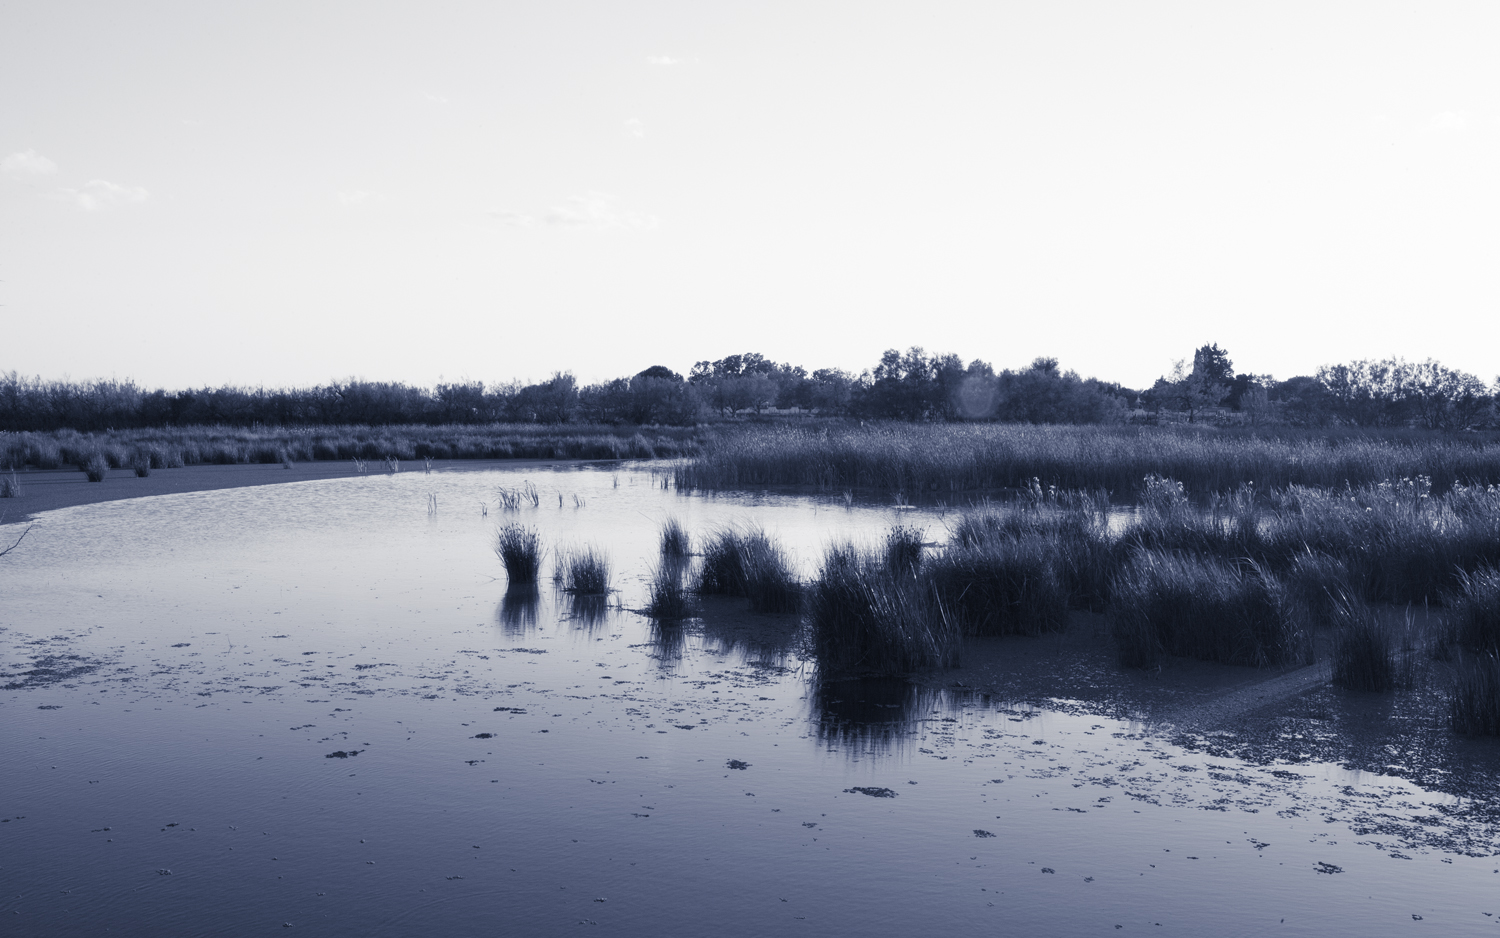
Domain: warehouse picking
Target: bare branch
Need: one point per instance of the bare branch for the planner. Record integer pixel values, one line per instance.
(18, 540)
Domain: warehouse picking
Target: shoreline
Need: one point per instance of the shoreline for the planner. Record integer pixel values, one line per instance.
(50, 489)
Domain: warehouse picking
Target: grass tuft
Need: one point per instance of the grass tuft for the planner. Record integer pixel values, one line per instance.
(903, 549)
(10, 485)
(96, 467)
(770, 584)
(864, 620)
(675, 543)
(520, 550)
(722, 572)
(1363, 656)
(584, 572)
(668, 602)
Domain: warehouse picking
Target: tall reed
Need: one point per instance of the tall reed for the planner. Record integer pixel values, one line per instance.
(1474, 701)
(520, 550)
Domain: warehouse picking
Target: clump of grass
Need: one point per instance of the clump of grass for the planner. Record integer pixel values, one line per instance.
(723, 570)
(141, 463)
(668, 600)
(1476, 611)
(520, 550)
(770, 584)
(1321, 584)
(1474, 701)
(674, 539)
(864, 620)
(392, 464)
(1175, 604)
(1363, 657)
(10, 485)
(903, 549)
(96, 468)
(1002, 586)
(584, 572)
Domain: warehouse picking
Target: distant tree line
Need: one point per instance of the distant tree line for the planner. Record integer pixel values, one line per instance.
(910, 385)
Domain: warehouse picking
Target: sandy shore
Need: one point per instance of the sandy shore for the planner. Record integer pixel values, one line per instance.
(50, 489)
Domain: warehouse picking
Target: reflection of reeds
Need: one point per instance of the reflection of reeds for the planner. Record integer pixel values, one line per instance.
(869, 714)
(520, 550)
(518, 607)
(584, 571)
(589, 609)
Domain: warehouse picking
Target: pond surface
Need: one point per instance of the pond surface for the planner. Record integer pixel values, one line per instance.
(315, 706)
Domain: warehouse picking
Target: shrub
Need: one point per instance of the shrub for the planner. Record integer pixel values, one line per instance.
(1175, 604)
(520, 550)
(1474, 702)
(863, 619)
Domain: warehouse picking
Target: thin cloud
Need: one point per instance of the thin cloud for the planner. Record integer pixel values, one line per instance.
(512, 219)
(1449, 122)
(359, 197)
(663, 60)
(99, 194)
(597, 212)
(27, 164)
(635, 127)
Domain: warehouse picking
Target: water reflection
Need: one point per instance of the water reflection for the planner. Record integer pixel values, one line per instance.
(587, 610)
(871, 714)
(517, 613)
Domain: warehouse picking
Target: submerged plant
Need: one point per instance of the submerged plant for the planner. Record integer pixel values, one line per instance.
(520, 550)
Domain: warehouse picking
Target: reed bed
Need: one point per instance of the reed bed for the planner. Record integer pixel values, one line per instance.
(903, 549)
(520, 550)
(1476, 611)
(1001, 586)
(1364, 653)
(863, 620)
(584, 571)
(1200, 607)
(1474, 701)
(941, 460)
(218, 445)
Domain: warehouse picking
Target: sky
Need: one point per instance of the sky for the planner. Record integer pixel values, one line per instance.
(288, 193)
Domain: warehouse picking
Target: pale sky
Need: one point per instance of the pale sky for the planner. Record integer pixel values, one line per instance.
(287, 193)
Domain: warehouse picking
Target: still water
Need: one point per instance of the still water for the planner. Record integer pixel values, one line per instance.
(315, 706)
